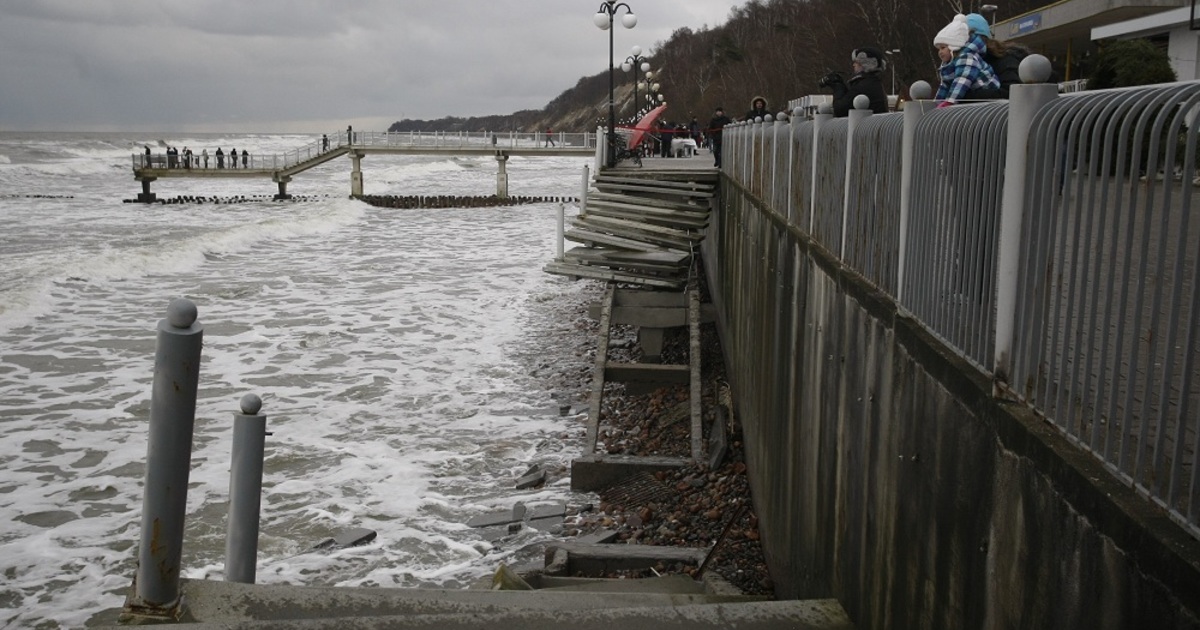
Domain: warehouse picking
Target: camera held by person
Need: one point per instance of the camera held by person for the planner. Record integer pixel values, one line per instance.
(830, 80)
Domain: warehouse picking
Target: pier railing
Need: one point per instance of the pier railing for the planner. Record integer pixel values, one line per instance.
(1047, 239)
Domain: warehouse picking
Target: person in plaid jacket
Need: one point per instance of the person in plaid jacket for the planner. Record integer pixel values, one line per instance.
(963, 68)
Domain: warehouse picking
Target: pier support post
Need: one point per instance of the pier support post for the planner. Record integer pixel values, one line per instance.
(245, 491)
(168, 462)
(502, 176)
(283, 193)
(146, 196)
(356, 178)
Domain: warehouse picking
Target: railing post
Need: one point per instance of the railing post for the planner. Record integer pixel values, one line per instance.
(168, 461)
(1024, 103)
(776, 174)
(245, 491)
(913, 111)
(561, 225)
(583, 193)
(824, 114)
(857, 114)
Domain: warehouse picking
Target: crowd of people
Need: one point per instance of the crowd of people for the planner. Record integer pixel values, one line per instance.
(174, 158)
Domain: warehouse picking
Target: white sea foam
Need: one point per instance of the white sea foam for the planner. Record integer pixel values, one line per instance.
(386, 345)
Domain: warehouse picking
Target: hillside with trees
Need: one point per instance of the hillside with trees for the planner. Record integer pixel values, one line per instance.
(774, 48)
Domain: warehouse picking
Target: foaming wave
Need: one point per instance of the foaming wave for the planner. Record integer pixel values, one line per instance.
(54, 282)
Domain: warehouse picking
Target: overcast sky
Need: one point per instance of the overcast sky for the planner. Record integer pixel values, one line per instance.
(304, 65)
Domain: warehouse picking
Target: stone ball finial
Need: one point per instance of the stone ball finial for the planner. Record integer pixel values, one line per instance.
(181, 313)
(798, 112)
(768, 118)
(250, 404)
(825, 108)
(920, 91)
(862, 101)
(1035, 69)
(781, 116)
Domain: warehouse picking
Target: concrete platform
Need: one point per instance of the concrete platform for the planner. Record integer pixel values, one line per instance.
(225, 606)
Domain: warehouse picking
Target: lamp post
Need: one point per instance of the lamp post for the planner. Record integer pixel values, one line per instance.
(990, 10)
(635, 62)
(604, 21)
(893, 53)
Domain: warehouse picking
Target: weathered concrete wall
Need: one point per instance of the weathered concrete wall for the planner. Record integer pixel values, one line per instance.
(886, 475)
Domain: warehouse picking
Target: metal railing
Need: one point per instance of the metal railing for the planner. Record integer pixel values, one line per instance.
(1105, 334)
(482, 141)
(1047, 239)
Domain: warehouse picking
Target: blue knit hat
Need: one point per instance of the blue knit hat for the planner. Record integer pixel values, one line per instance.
(979, 24)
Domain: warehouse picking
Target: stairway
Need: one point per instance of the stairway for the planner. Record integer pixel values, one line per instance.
(582, 605)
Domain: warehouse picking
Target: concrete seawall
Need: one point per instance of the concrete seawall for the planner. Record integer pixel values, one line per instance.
(887, 476)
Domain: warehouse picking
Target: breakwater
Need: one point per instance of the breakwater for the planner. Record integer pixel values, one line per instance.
(459, 201)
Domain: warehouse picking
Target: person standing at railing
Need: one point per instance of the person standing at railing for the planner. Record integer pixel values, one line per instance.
(715, 127)
(549, 138)
(868, 65)
(963, 67)
(147, 164)
(324, 143)
(204, 156)
(233, 158)
(220, 158)
(245, 158)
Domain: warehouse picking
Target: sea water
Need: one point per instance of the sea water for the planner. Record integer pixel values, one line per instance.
(397, 354)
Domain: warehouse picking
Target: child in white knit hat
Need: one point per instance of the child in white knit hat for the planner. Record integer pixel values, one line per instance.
(963, 67)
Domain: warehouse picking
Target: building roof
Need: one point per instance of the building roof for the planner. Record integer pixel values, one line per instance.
(1053, 29)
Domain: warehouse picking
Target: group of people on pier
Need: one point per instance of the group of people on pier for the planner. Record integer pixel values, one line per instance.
(174, 158)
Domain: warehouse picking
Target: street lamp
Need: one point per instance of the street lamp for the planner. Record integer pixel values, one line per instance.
(604, 21)
(635, 62)
(890, 53)
(990, 9)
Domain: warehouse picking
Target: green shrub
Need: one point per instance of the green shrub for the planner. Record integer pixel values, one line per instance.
(1130, 62)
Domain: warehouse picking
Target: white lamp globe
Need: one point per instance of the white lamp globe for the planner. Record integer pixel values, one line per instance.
(645, 66)
(637, 50)
(602, 20)
(629, 20)
(626, 67)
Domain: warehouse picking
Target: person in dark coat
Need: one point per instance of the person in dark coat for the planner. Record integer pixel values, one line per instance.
(758, 109)
(868, 65)
(718, 122)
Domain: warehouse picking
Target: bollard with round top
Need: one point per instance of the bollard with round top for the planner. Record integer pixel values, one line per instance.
(168, 460)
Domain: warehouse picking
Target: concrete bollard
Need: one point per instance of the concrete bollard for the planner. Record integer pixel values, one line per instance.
(245, 491)
(168, 458)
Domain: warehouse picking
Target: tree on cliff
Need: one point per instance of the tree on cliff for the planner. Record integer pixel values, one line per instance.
(774, 48)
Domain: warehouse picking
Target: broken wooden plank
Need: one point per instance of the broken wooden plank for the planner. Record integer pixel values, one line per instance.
(694, 365)
(593, 426)
(651, 188)
(647, 373)
(583, 271)
(662, 183)
(591, 237)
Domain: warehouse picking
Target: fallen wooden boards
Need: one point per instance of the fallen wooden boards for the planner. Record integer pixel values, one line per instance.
(640, 230)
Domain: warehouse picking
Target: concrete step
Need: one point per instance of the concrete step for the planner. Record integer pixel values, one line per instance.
(794, 615)
(224, 604)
